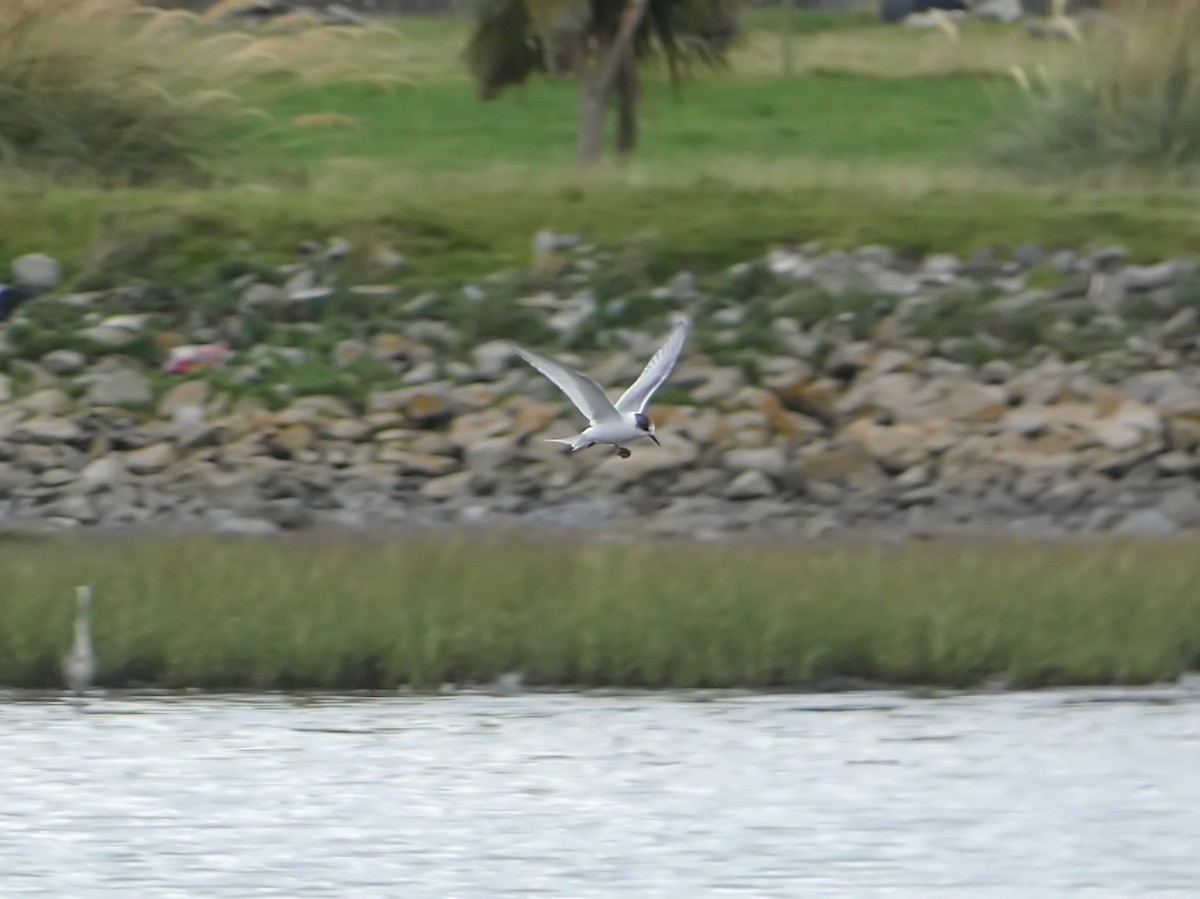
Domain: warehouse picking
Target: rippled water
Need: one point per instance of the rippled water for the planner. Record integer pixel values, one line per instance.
(568, 795)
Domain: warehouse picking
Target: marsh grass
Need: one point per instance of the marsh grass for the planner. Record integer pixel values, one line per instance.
(314, 613)
(1130, 104)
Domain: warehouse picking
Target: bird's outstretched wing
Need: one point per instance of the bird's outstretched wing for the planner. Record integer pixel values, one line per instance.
(588, 396)
(657, 370)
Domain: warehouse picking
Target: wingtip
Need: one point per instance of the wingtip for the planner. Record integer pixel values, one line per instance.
(521, 351)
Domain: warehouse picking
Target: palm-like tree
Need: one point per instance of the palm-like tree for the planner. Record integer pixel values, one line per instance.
(601, 41)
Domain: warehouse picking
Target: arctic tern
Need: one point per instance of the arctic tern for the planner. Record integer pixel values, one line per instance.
(626, 420)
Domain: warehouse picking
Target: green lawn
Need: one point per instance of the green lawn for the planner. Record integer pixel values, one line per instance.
(851, 119)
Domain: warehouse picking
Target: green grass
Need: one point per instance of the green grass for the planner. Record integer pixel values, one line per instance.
(879, 138)
(375, 614)
(853, 119)
(463, 226)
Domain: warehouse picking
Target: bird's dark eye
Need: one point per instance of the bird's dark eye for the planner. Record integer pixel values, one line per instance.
(642, 421)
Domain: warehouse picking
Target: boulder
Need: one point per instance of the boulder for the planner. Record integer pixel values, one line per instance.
(124, 387)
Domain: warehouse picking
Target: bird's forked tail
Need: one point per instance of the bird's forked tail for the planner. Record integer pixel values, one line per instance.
(575, 443)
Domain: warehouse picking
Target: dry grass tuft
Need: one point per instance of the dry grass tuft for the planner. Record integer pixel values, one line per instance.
(111, 92)
(1131, 103)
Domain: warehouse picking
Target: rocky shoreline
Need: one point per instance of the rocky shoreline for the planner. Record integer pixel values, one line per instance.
(823, 394)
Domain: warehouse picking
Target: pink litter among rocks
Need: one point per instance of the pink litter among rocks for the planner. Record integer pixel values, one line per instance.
(194, 357)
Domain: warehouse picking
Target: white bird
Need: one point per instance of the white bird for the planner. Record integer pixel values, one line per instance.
(79, 664)
(626, 420)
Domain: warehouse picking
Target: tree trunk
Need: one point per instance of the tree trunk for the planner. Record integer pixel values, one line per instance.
(597, 79)
(593, 103)
(628, 90)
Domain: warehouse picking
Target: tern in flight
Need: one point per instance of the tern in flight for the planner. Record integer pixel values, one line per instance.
(613, 423)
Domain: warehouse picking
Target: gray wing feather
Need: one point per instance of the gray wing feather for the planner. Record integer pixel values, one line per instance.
(588, 396)
(657, 370)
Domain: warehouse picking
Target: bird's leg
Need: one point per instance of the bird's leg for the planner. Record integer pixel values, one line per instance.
(624, 453)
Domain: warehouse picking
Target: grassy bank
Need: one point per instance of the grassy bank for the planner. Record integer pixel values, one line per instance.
(333, 614)
(470, 225)
(376, 135)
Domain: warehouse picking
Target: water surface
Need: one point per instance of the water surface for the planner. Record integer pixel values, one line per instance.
(1074, 793)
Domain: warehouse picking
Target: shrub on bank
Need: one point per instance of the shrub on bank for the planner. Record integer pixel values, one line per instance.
(88, 93)
(1131, 104)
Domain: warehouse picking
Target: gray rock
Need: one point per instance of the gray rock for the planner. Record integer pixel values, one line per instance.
(47, 401)
(150, 459)
(997, 371)
(56, 477)
(1034, 526)
(109, 336)
(1029, 256)
(491, 359)
(768, 460)
(347, 352)
(290, 513)
(894, 284)
(1110, 259)
(821, 525)
(37, 271)
(941, 267)
(1151, 277)
(1177, 462)
(750, 485)
(1007, 11)
(48, 429)
(1146, 523)
(682, 285)
(64, 362)
(1107, 292)
(914, 479)
(338, 249)
(1067, 261)
(447, 487)
(259, 295)
(1063, 497)
(122, 388)
(100, 474)
(246, 527)
(1181, 327)
(78, 508)
(1182, 506)
(83, 300)
(487, 454)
